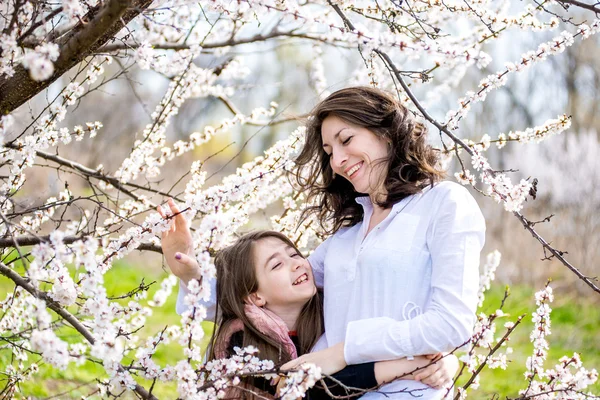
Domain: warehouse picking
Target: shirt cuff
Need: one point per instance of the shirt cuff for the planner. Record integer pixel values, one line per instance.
(180, 306)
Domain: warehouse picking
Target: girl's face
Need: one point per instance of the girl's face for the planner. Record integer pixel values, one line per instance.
(284, 277)
(356, 154)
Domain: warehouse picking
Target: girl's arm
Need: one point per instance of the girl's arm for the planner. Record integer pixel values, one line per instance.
(436, 371)
(178, 246)
(354, 380)
(431, 370)
(178, 250)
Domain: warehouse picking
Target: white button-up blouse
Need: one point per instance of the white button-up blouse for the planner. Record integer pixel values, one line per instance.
(410, 286)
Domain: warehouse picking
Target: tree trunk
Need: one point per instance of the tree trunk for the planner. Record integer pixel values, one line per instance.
(97, 28)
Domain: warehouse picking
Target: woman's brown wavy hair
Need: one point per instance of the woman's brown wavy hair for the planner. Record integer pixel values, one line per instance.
(412, 163)
(236, 280)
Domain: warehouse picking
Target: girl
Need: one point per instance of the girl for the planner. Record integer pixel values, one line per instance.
(267, 298)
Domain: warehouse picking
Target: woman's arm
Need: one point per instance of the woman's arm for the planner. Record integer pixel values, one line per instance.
(454, 239)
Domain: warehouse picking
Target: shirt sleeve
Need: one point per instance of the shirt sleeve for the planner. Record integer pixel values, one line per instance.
(211, 304)
(317, 262)
(455, 238)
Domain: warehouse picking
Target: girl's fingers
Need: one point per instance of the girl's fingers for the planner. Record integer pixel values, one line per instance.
(185, 259)
(435, 380)
(428, 371)
(179, 218)
(433, 356)
(430, 380)
(173, 206)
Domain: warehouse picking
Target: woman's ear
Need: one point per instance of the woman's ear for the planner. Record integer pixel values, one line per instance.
(256, 299)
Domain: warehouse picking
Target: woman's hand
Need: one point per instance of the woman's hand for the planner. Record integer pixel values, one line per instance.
(440, 373)
(177, 246)
(330, 360)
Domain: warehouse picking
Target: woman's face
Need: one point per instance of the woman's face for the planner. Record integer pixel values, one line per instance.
(356, 154)
(284, 277)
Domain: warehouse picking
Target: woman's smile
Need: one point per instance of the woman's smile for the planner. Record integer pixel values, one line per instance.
(351, 172)
(356, 154)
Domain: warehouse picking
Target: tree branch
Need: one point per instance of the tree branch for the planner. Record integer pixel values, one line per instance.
(92, 173)
(592, 7)
(398, 75)
(227, 43)
(67, 316)
(33, 240)
(97, 27)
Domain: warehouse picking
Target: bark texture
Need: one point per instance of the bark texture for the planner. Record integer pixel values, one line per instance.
(97, 28)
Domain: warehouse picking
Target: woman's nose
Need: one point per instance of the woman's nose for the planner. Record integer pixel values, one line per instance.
(338, 159)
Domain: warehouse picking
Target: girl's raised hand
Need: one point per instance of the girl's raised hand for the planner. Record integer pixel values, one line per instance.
(178, 247)
(440, 373)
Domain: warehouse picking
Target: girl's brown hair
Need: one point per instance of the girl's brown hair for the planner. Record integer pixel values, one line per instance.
(236, 280)
(412, 163)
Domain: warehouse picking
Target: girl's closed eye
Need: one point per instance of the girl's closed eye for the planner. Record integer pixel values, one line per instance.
(276, 266)
(347, 140)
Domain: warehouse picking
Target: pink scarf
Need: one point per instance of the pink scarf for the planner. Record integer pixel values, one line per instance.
(266, 322)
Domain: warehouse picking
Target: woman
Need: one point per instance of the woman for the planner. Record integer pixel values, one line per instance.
(400, 272)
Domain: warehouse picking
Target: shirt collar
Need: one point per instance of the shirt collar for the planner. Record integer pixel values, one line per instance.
(364, 201)
(367, 204)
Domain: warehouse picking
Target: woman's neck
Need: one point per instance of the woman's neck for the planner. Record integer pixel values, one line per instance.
(378, 196)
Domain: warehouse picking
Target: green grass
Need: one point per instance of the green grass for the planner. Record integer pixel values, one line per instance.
(575, 327)
(81, 380)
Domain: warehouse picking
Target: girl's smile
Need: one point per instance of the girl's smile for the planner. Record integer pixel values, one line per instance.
(301, 279)
(284, 277)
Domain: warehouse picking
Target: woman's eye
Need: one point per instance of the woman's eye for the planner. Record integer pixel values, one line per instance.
(347, 140)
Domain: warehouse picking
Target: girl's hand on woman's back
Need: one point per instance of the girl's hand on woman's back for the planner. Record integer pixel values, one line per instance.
(440, 373)
(178, 247)
(434, 370)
